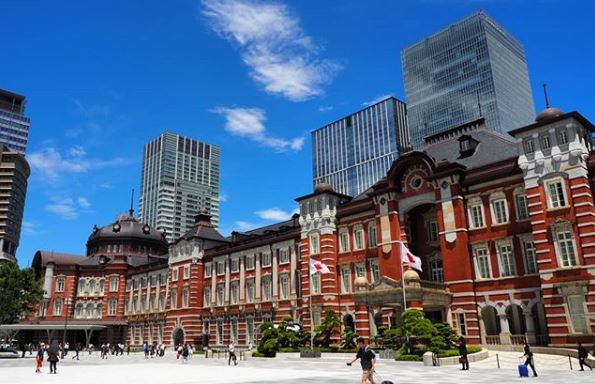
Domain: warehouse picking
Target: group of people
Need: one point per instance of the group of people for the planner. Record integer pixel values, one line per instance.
(153, 350)
(106, 349)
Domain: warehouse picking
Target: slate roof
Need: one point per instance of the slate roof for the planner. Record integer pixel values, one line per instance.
(58, 258)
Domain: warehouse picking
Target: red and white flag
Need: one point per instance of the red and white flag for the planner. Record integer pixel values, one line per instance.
(409, 258)
(317, 266)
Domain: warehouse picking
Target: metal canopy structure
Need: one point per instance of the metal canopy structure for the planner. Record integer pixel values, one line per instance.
(10, 331)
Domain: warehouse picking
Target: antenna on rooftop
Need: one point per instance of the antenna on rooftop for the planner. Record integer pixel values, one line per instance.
(132, 203)
(547, 100)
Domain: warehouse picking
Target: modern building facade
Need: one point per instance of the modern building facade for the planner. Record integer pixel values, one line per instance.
(471, 69)
(180, 176)
(14, 172)
(354, 152)
(14, 125)
(504, 225)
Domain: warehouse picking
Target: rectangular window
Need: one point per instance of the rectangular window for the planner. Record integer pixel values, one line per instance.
(234, 330)
(315, 283)
(360, 270)
(174, 274)
(283, 256)
(556, 197)
(530, 260)
(113, 305)
(372, 239)
(507, 262)
(186, 272)
(235, 265)
(436, 270)
(482, 262)
(285, 286)
(358, 239)
(162, 301)
(267, 288)
(562, 136)
(476, 212)
(174, 299)
(250, 291)
(266, 259)
(528, 146)
(499, 211)
(522, 208)
(220, 294)
(344, 242)
(314, 241)
(220, 332)
(220, 268)
(346, 279)
(576, 310)
(60, 284)
(207, 294)
(249, 262)
(185, 297)
(375, 270)
(58, 307)
(250, 330)
(234, 288)
(208, 267)
(462, 325)
(566, 248)
(433, 231)
(545, 142)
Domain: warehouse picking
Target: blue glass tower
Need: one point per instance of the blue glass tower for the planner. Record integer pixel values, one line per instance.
(14, 125)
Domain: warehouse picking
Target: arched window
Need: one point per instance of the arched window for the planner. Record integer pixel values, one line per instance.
(98, 311)
(92, 286)
(79, 312)
(89, 313)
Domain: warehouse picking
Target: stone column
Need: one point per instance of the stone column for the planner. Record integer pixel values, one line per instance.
(257, 286)
(227, 280)
(530, 325)
(482, 328)
(504, 329)
(242, 278)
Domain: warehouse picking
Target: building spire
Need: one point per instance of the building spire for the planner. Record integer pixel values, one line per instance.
(547, 100)
(132, 203)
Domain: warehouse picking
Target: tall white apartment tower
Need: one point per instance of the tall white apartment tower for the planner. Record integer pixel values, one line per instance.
(180, 176)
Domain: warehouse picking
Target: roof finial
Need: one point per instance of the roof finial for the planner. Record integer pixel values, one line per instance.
(547, 100)
(132, 204)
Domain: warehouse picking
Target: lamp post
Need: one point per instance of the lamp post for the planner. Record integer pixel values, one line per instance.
(67, 302)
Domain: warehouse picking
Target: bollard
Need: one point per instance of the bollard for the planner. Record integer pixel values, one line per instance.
(498, 360)
(570, 362)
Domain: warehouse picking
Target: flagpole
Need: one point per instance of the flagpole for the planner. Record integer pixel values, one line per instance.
(403, 278)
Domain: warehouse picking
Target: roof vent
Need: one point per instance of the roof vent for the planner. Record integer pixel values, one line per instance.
(467, 145)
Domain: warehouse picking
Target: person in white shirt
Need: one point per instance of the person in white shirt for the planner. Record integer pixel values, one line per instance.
(232, 354)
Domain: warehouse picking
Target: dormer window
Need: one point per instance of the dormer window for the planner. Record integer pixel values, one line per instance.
(467, 145)
(562, 136)
(545, 142)
(528, 146)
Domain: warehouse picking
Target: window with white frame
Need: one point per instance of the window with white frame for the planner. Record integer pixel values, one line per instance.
(482, 262)
(249, 262)
(314, 241)
(266, 259)
(476, 219)
(461, 323)
(499, 208)
(112, 307)
(208, 269)
(234, 265)
(360, 270)
(436, 269)
(234, 330)
(250, 290)
(522, 207)
(185, 297)
(113, 283)
(143, 303)
(207, 295)
(162, 301)
(284, 277)
(344, 241)
(267, 288)
(375, 268)
(58, 307)
(346, 279)
(372, 239)
(234, 288)
(60, 284)
(528, 146)
(174, 274)
(220, 332)
(562, 136)
(174, 299)
(250, 330)
(506, 258)
(315, 283)
(283, 255)
(576, 310)
(529, 254)
(555, 193)
(565, 245)
(545, 142)
(186, 272)
(220, 268)
(358, 238)
(220, 294)
(433, 231)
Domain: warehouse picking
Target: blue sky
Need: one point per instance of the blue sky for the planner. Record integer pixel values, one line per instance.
(255, 77)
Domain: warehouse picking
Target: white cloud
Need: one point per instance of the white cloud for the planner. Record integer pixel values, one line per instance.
(281, 57)
(223, 197)
(377, 99)
(84, 202)
(63, 208)
(249, 122)
(325, 108)
(243, 226)
(28, 228)
(275, 214)
(51, 164)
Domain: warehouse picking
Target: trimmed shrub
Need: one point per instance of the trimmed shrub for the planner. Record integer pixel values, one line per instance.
(408, 358)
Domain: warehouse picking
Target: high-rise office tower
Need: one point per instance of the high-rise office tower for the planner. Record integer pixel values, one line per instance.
(14, 126)
(180, 176)
(472, 68)
(356, 151)
(13, 186)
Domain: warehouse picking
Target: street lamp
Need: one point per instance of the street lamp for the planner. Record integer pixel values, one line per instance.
(67, 302)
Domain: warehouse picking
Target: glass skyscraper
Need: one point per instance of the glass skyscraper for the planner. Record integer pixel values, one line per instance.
(471, 69)
(356, 151)
(14, 126)
(180, 176)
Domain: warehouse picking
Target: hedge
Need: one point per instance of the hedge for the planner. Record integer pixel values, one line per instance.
(409, 358)
(455, 352)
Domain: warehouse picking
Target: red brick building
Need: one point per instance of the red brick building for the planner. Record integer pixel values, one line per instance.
(504, 225)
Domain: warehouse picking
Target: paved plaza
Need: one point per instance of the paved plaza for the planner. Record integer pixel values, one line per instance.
(136, 369)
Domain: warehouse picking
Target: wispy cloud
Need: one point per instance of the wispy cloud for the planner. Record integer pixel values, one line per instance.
(249, 122)
(281, 56)
(275, 213)
(51, 164)
(68, 208)
(325, 108)
(84, 202)
(223, 197)
(243, 226)
(377, 99)
(29, 228)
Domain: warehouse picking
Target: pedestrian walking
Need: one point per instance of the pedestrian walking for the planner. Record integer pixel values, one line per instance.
(528, 355)
(185, 353)
(54, 356)
(127, 349)
(367, 359)
(232, 354)
(39, 357)
(146, 350)
(463, 359)
(77, 348)
(583, 354)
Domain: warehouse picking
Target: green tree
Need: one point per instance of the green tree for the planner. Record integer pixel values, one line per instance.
(327, 329)
(291, 334)
(269, 341)
(20, 292)
(348, 337)
(416, 330)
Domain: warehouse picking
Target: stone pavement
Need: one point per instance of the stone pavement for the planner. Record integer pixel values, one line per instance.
(135, 369)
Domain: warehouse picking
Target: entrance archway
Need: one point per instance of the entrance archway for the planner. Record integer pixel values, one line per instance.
(348, 322)
(490, 321)
(178, 336)
(516, 320)
(424, 240)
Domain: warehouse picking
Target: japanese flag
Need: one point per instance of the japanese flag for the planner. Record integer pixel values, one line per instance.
(408, 258)
(317, 266)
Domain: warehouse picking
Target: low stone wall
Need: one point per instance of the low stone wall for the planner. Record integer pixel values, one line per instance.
(454, 360)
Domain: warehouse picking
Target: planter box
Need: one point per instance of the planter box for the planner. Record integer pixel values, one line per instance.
(310, 354)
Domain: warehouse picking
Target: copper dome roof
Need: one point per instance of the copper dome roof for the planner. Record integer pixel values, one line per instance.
(548, 113)
(127, 227)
